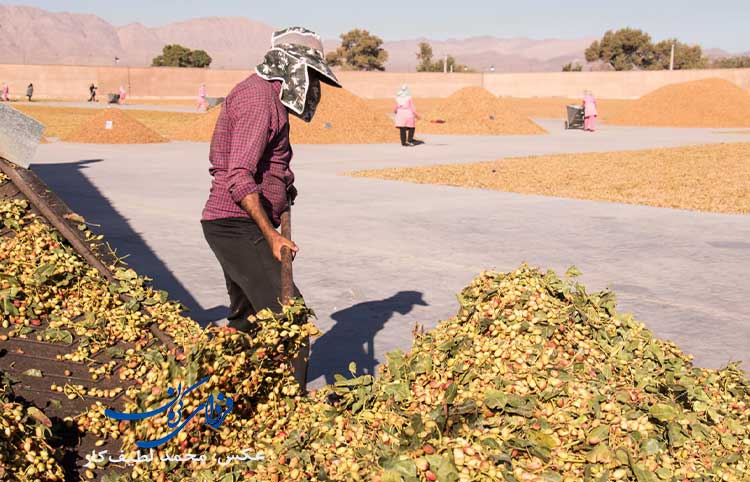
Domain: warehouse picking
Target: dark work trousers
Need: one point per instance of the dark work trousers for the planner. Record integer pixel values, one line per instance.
(252, 275)
(407, 135)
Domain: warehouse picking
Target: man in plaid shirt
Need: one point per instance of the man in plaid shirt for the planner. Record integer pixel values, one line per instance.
(252, 181)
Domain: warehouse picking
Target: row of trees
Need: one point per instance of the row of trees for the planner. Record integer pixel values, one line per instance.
(738, 62)
(624, 49)
(633, 49)
(361, 50)
(426, 64)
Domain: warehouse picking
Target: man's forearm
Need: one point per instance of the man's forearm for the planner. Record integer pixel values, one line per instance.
(251, 204)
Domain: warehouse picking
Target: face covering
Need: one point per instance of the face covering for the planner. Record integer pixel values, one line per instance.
(312, 100)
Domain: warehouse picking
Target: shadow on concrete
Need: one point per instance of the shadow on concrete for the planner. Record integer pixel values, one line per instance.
(352, 338)
(71, 184)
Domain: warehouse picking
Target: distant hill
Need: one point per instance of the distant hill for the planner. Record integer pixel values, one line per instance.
(232, 42)
(34, 35)
(506, 55)
(720, 54)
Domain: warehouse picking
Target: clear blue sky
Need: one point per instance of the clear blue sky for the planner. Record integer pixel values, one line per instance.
(719, 23)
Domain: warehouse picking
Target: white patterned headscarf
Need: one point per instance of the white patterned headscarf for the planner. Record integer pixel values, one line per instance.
(294, 52)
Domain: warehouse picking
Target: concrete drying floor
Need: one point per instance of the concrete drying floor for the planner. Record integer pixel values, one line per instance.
(373, 252)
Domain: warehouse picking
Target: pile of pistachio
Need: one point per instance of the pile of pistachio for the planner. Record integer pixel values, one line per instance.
(44, 282)
(534, 379)
(25, 454)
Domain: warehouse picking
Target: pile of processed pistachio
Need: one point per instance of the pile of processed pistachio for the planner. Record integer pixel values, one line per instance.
(25, 454)
(534, 379)
(44, 281)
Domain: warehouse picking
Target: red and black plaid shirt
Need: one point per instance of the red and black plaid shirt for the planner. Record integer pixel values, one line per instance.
(250, 152)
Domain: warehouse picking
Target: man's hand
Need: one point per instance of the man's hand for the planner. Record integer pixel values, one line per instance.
(251, 204)
(277, 242)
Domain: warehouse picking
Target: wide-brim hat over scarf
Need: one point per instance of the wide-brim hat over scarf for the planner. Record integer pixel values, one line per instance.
(293, 51)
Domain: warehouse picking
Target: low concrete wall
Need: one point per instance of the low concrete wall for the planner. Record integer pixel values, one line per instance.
(386, 84)
(71, 82)
(606, 85)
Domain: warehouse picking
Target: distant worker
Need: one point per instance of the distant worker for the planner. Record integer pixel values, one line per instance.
(406, 115)
(30, 91)
(92, 91)
(589, 111)
(6, 92)
(202, 103)
(123, 94)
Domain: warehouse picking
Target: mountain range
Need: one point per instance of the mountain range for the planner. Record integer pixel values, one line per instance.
(34, 35)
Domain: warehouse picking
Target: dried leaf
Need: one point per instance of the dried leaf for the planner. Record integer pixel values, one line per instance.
(33, 372)
(39, 416)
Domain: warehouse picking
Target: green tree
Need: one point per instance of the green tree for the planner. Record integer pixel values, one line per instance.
(424, 57)
(175, 55)
(453, 66)
(359, 50)
(200, 58)
(624, 49)
(569, 67)
(426, 63)
(737, 62)
(685, 56)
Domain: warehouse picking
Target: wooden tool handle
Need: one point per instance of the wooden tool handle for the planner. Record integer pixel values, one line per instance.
(299, 363)
(287, 279)
(54, 210)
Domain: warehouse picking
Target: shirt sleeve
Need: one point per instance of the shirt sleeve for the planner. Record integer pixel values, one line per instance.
(250, 124)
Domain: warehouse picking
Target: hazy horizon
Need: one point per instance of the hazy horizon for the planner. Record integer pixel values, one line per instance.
(723, 25)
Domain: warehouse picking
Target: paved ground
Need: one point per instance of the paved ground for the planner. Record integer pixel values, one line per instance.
(377, 257)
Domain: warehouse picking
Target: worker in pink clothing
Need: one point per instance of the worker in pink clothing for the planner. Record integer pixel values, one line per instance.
(589, 111)
(123, 94)
(6, 92)
(202, 103)
(406, 116)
